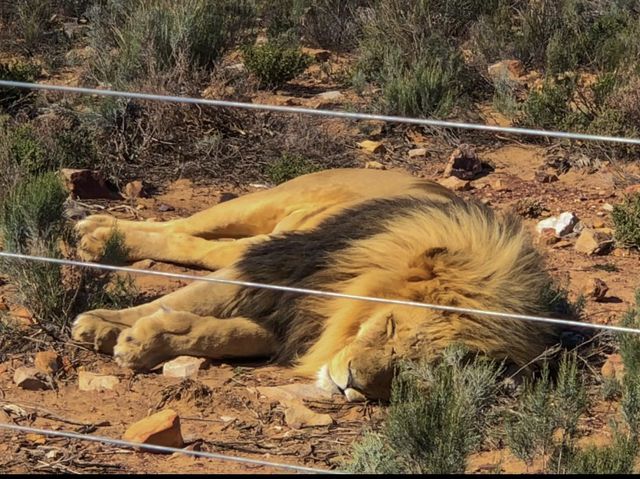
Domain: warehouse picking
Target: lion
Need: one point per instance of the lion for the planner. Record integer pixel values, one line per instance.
(383, 234)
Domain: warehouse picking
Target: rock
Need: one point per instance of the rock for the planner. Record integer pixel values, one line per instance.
(87, 184)
(562, 225)
(418, 153)
(511, 69)
(183, 367)
(297, 415)
(160, 429)
(613, 367)
(591, 242)
(545, 177)
(499, 185)
(334, 95)
(96, 382)
(135, 189)
(598, 224)
(47, 362)
(593, 288)
(372, 146)
(374, 165)
(548, 237)
(463, 163)
(455, 184)
(632, 190)
(31, 379)
(607, 207)
(164, 208)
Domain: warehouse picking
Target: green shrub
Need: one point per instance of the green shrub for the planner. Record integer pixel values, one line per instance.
(435, 420)
(32, 222)
(548, 108)
(332, 24)
(137, 39)
(626, 219)
(288, 167)
(429, 88)
(545, 407)
(275, 64)
(33, 18)
(618, 458)
(16, 71)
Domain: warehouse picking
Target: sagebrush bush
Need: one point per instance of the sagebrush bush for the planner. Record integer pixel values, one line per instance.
(411, 50)
(550, 107)
(274, 63)
(32, 222)
(137, 39)
(288, 167)
(435, 420)
(544, 407)
(33, 19)
(20, 71)
(626, 220)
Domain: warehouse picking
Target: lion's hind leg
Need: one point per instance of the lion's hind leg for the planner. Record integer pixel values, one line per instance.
(167, 334)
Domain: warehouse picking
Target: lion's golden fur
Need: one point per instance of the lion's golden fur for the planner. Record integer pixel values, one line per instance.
(403, 239)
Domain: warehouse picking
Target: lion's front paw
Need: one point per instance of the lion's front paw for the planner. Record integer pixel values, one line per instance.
(94, 232)
(141, 347)
(93, 328)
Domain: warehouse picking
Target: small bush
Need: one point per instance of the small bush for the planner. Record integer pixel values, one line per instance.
(16, 71)
(140, 39)
(288, 167)
(33, 18)
(32, 222)
(333, 24)
(275, 64)
(435, 420)
(618, 458)
(548, 108)
(626, 219)
(545, 407)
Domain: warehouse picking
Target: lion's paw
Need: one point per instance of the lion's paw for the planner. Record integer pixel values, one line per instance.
(93, 328)
(94, 232)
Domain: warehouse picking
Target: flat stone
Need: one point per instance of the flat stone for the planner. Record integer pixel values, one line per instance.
(96, 382)
(183, 367)
(30, 379)
(455, 184)
(47, 362)
(160, 429)
(592, 242)
(418, 153)
(372, 146)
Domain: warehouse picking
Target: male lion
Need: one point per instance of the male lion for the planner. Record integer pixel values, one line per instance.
(363, 232)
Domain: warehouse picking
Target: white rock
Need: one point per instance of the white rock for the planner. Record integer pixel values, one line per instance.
(183, 367)
(331, 95)
(562, 225)
(96, 382)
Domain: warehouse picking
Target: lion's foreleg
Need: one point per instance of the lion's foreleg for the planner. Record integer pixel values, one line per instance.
(166, 334)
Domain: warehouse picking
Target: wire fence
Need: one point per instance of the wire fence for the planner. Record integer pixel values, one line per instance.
(329, 294)
(319, 112)
(164, 449)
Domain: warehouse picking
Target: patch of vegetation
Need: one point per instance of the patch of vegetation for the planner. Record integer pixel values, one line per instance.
(288, 167)
(608, 267)
(19, 71)
(411, 50)
(140, 39)
(274, 63)
(557, 302)
(545, 407)
(435, 420)
(32, 223)
(626, 219)
(529, 207)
